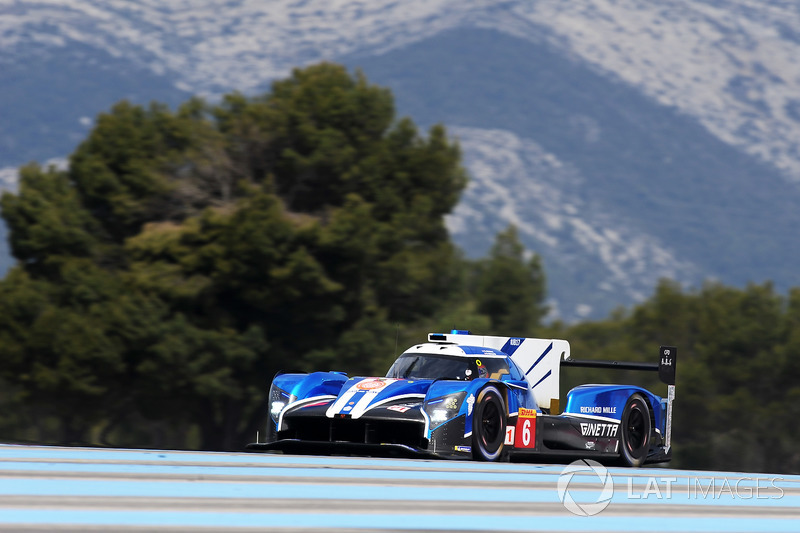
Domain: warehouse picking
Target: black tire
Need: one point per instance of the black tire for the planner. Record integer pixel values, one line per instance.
(635, 432)
(488, 425)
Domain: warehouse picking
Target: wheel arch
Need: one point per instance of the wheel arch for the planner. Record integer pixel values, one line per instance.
(488, 434)
(607, 400)
(476, 386)
(635, 455)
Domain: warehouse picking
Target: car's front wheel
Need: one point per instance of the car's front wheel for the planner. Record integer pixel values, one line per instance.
(488, 425)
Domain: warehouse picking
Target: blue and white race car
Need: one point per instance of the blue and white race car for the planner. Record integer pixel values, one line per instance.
(472, 396)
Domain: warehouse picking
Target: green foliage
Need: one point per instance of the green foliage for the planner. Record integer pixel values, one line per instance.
(509, 289)
(118, 169)
(187, 256)
(46, 220)
(738, 370)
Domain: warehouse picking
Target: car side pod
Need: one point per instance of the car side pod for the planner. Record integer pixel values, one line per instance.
(666, 368)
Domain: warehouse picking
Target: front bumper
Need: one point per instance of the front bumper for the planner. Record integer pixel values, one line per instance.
(309, 447)
(382, 432)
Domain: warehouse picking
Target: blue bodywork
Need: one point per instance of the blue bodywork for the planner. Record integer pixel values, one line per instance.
(310, 385)
(608, 401)
(329, 410)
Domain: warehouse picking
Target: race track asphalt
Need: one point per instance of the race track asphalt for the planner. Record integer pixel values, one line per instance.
(87, 489)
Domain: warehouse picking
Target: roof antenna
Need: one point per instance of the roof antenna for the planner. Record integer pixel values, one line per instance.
(396, 337)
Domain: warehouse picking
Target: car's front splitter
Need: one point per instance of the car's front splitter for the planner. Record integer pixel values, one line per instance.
(306, 447)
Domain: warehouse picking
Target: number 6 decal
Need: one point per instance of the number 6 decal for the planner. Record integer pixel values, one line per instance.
(526, 429)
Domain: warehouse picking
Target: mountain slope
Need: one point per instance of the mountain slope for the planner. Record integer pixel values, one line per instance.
(628, 139)
(593, 259)
(648, 169)
(50, 102)
(733, 65)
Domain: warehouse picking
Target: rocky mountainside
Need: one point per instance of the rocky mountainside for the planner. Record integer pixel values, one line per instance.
(627, 139)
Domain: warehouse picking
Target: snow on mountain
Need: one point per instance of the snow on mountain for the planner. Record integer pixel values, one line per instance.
(734, 65)
(234, 44)
(519, 183)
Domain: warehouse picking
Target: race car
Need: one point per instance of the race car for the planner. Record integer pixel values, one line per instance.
(478, 397)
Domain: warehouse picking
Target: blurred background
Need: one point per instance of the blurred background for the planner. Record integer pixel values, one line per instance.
(201, 194)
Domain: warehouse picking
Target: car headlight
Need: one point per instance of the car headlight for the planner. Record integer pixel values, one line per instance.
(444, 408)
(278, 400)
(440, 415)
(276, 408)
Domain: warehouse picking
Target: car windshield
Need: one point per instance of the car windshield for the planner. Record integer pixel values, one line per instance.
(430, 366)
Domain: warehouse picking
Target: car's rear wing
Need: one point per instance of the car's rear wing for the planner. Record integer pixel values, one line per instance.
(665, 366)
(667, 363)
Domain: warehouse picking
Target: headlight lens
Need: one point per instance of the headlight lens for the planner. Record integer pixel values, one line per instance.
(276, 408)
(440, 415)
(278, 400)
(452, 403)
(444, 408)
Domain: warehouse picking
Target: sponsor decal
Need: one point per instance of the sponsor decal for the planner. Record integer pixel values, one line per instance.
(359, 397)
(509, 435)
(463, 448)
(667, 359)
(599, 429)
(526, 429)
(470, 403)
(598, 410)
(372, 384)
(399, 408)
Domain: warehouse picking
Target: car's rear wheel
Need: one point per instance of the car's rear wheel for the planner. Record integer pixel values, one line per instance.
(488, 425)
(636, 428)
